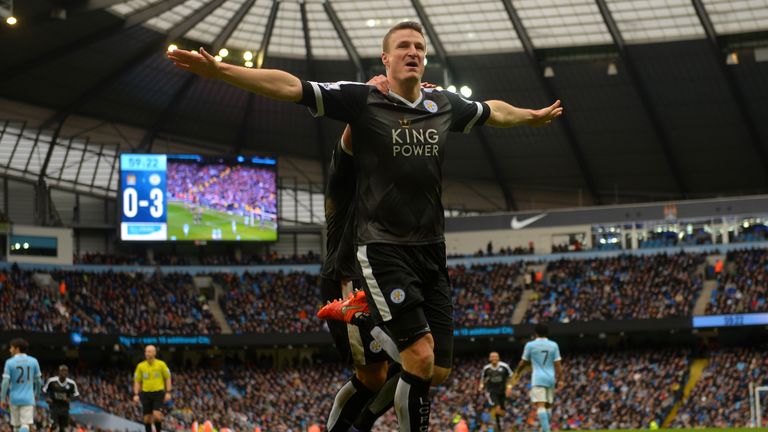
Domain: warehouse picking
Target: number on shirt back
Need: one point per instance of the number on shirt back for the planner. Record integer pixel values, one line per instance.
(546, 356)
(20, 379)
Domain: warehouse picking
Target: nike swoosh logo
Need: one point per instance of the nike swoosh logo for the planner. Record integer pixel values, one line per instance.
(516, 224)
(344, 309)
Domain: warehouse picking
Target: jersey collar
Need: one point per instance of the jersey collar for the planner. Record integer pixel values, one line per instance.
(406, 101)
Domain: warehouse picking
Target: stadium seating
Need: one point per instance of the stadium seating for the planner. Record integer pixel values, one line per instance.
(601, 390)
(721, 396)
(624, 287)
(742, 286)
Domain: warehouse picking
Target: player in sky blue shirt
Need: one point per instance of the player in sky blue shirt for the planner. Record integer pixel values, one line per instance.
(543, 355)
(22, 377)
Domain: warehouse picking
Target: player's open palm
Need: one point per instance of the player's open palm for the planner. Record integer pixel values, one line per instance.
(201, 63)
(545, 116)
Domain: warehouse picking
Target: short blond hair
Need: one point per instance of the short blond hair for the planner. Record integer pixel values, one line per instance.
(410, 25)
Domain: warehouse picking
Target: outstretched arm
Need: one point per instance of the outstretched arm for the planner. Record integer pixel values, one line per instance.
(504, 115)
(521, 366)
(271, 83)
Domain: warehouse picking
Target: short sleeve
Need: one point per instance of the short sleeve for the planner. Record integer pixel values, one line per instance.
(466, 114)
(45, 387)
(166, 372)
(343, 100)
(75, 391)
(557, 353)
(527, 353)
(509, 370)
(7, 370)
(38, 374)
(137, 374)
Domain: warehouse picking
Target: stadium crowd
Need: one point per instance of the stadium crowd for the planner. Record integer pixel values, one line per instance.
(270, 302)
(117, 303)
(601, 390)
(206, 259)
(486, 295)
(721, 396)
(623, 287)
(743, 286)
(224, 188)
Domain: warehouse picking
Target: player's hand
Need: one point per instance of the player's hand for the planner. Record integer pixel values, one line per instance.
(4, 405)
(508, 392)
(201, 63)
(428, 85)
(480, 389)
(167, 397)
(380, 82)
(545, 116)
(136, 398)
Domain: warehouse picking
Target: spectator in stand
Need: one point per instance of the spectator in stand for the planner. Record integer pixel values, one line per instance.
(743, 286)
(721, 395)
(624, 287)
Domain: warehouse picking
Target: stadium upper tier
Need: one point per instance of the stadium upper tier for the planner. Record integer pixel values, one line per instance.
(601, 390)
(623, 287)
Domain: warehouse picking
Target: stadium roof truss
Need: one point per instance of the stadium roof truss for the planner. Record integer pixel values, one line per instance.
(344, 30)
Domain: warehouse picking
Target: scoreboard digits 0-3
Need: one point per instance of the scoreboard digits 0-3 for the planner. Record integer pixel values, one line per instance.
(187, 197)
(143, 208)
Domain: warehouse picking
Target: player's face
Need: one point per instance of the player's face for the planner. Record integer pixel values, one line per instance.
(150, 352)
(405, 59)
(63, 372)
(493, 358)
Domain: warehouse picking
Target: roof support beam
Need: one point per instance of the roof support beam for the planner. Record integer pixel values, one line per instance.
(242, 133)
(733, 86)
(345, 40)
(493, 161)
(564, 123)
(170, 110)
(235, 21)
(262, 54)
(645, 99)
(59, 51)
(321, 152)
(150, 48)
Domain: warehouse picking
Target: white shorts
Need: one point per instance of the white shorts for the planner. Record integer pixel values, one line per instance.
(542, 394)
(22, 415)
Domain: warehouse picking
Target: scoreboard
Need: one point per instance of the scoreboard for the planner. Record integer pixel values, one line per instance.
(178, 197)
(143, 207)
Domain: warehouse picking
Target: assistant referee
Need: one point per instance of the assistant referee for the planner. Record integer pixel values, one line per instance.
(152, 386)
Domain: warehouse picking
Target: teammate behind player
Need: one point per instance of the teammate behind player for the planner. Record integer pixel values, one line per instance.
(21, 376)
(152, 387)
(496, 381)
(399, 215)
(543, 355)
(60, 390)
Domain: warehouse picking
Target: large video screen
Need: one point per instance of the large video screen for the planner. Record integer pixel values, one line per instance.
(190, 197)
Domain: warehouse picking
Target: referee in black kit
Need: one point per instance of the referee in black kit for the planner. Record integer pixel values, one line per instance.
(399, 144)
(59, 391)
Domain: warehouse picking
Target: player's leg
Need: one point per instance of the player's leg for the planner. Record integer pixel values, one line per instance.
(500, 400)
(369, 375)
(539, 399)
(393, 285)
(146, 410)
(26, 418)
(380, 403)
(15, 417)
(157, 413)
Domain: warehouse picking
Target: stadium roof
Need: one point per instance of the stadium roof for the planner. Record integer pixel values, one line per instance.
(653, 110)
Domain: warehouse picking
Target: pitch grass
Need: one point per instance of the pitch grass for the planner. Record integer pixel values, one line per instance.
(178, 215)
